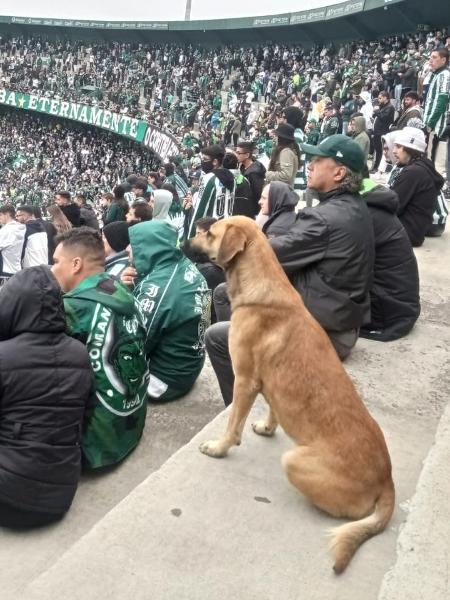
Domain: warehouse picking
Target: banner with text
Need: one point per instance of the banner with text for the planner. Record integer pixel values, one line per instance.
(161, 143)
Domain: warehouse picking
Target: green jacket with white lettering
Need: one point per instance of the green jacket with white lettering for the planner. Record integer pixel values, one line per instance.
(176, 305)
(103, 314)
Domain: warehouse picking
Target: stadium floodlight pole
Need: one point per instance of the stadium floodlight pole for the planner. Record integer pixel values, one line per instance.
(187, 14)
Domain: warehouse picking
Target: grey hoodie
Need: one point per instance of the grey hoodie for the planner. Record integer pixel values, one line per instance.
(163, 201)
(360, 135)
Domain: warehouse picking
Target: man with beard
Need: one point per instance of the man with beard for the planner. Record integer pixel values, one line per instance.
(411, 110)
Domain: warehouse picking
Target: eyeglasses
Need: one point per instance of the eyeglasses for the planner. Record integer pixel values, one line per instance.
(237, 152)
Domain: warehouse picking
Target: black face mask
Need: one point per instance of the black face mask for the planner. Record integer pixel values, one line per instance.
(207, 166)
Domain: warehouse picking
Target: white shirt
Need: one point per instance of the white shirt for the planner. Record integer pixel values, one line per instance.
(11, 243)
(36, 251)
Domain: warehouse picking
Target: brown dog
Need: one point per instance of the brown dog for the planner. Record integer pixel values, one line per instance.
(278, 349)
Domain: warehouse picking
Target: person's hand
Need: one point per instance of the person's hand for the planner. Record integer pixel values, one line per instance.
(187, 202)
(128, 276)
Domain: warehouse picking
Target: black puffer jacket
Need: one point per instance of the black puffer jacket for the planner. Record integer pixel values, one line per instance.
(46, 385)
(329, 255)
(417, 188)
(282, 203)
(394, 297)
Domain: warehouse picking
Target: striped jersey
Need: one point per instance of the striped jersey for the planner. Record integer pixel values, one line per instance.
(300, 176)
(437, 102)
(213, 199)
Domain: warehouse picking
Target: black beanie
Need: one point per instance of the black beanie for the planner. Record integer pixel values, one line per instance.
(116, 235)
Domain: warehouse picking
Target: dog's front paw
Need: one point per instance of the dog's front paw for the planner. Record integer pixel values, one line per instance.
(261, 428)
(213, 448)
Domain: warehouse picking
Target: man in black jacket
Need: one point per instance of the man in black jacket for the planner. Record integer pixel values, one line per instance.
(329, 251)
(383, 120)
(328, 254)
(253, 170)
(70, 209)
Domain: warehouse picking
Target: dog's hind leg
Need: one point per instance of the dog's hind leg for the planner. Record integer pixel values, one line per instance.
(244, 394)
(318, 480)
(266, 426)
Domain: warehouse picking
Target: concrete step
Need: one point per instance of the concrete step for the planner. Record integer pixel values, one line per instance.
(199, 528)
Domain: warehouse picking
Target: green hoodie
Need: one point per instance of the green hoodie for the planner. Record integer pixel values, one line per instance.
(176, 304)
(102, 313)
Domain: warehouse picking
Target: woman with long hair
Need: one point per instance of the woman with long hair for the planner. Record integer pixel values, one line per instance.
(59, 220)
(58, 224)
(286, 156)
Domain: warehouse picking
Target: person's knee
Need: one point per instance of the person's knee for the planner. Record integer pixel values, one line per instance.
(216, 337)
(221, 302)
(220, 294)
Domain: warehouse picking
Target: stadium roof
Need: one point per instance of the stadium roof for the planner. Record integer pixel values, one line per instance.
(352, 19)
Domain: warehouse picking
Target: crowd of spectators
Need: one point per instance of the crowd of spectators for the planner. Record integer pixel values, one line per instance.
(41, 154)
(177, 86)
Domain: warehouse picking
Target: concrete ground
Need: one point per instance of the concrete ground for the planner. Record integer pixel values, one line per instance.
(198, 528)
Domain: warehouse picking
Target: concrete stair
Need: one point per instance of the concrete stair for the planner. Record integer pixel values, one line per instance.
(195, 528)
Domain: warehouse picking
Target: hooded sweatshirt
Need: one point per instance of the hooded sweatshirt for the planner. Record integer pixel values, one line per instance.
(176, 304)
(418, 186)
(394, 295)
(168, 208)
(163, 200)
(282, 203)
(72, 212)
(360, 135)
(255, 174)
(215, 197)
(102, 314)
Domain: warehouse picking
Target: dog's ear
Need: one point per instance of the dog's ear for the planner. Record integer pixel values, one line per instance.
(233, 242)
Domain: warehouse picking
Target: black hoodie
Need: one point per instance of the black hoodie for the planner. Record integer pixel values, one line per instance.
(72, 212)
(46, 383)
(255, 174)
(394, 295)
(417, 187)
(282, 203)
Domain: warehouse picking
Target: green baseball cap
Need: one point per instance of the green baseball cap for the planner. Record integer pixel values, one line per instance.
(340, 148)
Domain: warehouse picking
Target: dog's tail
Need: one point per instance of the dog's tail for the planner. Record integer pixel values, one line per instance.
(347, 538)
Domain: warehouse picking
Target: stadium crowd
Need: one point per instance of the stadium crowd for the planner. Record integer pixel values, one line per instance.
(175, 86)
(41, 154)
(123, 314)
